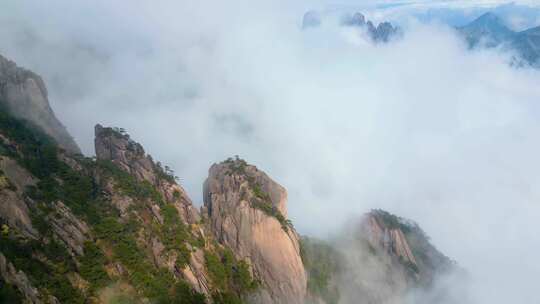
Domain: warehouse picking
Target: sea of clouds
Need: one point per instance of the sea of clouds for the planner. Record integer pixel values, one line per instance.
(422, 126)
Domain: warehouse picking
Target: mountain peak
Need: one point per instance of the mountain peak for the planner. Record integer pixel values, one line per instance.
(489, 22)
(383, 32)
(246, 211)
(488, 30)
(489, 17)
(24, 94)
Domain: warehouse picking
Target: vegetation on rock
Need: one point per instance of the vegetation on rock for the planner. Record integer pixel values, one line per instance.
(232, 278)
(47, 262)
(261, 199)
(322, 263)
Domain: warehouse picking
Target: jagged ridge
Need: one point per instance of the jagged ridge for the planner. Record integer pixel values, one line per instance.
(82, 230)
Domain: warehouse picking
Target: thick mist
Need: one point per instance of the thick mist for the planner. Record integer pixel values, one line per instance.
(421, 126)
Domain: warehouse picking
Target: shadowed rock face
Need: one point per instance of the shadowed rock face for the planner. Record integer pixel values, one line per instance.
(13, 208)
(387, 238)
(18, 279)
(382, 259)
(405, 242)
(233, 194)
(24, 94)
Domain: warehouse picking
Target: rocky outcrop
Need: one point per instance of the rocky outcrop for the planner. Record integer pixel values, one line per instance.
(176, 194)
(116, 146)
(383, 32)
(380, 33)
(24, 94)
(124, 220)
(19, 279)
(247, 213)
(15, 212)
(13, 208)
(406, 245)
(378, 259)
(387, 237)
(195, 273)
(70, 229)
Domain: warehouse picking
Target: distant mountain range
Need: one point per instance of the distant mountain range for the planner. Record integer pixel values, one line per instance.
(119, 228)
(487, 31)
(383, 32)
(490, 31)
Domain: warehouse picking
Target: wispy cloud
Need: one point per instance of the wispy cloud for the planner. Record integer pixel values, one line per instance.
(422, 126)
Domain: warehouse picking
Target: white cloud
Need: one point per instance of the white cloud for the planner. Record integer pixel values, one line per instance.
(421, 126)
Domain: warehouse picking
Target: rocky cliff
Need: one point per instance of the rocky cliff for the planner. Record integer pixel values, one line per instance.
(379, 259)
(115, 146)
(82, 230)
(247, 213)
(118, 228)
(405, 242)
(24, 94)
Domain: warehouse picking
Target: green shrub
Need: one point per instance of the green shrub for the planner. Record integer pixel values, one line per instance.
(219, 273)
(322, 263)
(9, 294)
(262, 200)
(92, 268)
(129, 185)
(110, 229)
(152, 282)
(226, 298)
(231, 278)
(242, 277)
(184, 294)
(175, 234)
(49, 274)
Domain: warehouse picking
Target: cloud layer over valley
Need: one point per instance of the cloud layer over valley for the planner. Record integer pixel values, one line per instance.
(422, 126)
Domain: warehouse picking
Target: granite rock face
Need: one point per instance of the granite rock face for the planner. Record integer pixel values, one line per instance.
(70, 229)
(117, 147)
(247, 213)
(135, 225)
(389, 239)
(18, 279)
(13, 207)
(387, 257)
(24, 94)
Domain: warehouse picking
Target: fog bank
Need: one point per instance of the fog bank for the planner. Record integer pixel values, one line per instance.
(421, 127)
